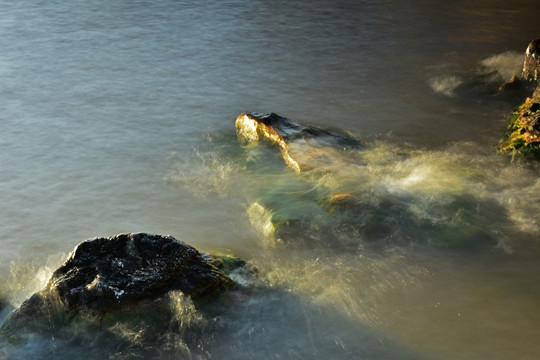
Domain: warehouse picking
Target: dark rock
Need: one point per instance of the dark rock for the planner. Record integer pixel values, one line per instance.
(107, 274)
(513, 85)
(109, 288)
(482, 81)
(531, 64)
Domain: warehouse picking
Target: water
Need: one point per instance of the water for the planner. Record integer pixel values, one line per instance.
(119, 117)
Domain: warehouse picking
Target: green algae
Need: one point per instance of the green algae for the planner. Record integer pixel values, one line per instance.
(519, 140)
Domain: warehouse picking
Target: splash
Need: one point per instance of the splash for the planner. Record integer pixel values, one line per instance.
(261, 219)
(445, 85)
(484, 79)
(28, 278)
(507, 64)
(202, 173)
(391, 197)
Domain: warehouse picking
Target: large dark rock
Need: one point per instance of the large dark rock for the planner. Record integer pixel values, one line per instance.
(137, 293)
(531, 64)
(106, 274)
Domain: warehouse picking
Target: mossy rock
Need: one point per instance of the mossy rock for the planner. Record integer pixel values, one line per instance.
(524, 129)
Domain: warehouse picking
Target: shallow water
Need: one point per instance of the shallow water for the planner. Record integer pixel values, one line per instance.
(119, 117)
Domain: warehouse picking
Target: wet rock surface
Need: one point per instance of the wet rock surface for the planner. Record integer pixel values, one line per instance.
(107, 274)
(142, 294)
(299, 143)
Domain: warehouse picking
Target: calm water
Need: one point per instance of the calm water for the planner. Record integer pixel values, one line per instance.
(118, 116)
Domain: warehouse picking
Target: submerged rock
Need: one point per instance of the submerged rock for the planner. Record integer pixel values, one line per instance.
(531, 64)
(481, 82)
(333, 205)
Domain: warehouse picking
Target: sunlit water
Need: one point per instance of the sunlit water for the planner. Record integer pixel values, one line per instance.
(119, 117)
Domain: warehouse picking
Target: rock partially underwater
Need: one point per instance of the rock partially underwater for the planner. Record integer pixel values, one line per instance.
(506, 76)
(344, 196)
(174, 314)
(302, 146)
(132, 281)
(524, 128)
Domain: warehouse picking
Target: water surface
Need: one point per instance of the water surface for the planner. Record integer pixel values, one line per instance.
(119, 117)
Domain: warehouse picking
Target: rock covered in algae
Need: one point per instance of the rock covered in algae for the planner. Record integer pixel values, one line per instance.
(531, 64)
(106, 274)
(524, 128)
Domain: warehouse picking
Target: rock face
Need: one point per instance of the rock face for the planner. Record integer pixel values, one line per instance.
(294, 139)
(531, 64)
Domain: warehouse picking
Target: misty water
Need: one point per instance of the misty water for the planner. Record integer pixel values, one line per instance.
(119, 116)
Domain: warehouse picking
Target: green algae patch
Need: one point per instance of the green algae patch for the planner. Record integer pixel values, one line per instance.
(524, 129)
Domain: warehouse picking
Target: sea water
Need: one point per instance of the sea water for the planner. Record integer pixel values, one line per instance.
(119, 117)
